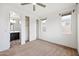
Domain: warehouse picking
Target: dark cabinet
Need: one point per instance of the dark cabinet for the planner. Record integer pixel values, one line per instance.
(14, 36)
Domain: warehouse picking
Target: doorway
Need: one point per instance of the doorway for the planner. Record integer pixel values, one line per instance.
(15, 29)
(37, 29)
(27, 28)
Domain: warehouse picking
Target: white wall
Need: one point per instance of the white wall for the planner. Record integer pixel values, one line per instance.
(32, 28)
(54, 32)
(78, 26)
(4, 28)
(78, 32)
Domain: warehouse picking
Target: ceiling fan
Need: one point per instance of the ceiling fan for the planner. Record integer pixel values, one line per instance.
(34, 4)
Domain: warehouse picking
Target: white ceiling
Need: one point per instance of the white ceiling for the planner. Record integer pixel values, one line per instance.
(50, 8)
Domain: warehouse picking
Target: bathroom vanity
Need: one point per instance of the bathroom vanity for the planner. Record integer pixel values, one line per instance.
(14, 35)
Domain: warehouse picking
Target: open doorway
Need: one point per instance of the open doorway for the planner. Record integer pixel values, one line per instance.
(15, 29)
(37, 29)
(27, 28)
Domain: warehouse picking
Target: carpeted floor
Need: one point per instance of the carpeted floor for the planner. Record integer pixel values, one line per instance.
(39, 48)
(15, 43)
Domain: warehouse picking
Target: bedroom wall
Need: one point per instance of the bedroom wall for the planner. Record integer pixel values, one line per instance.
(4, 28)
(78, 26)
(53, 32)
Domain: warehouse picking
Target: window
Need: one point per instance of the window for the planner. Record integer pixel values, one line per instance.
(66, 24)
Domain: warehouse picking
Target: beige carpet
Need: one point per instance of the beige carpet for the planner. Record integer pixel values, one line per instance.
(39, 48)
(15, 43)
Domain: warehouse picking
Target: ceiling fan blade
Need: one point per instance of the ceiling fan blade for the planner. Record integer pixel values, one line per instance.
(40, 4)
(33, 7)
(25, 3)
